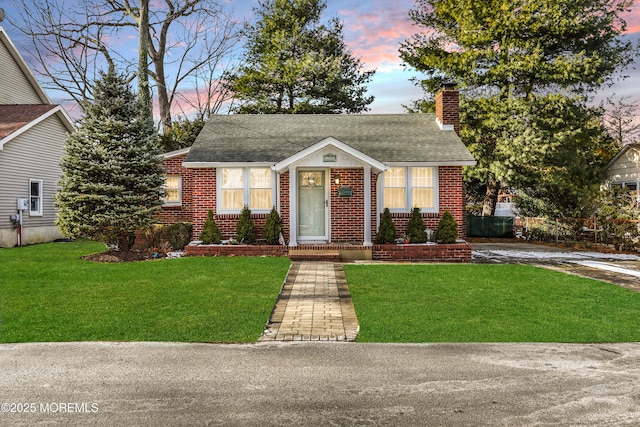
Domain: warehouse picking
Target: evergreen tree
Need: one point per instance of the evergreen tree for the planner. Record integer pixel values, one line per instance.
(387, 230)
(295, 64)
(181, 134)
(273, 227)
(513, 58)
(112, 177)
(447, 231)
(416, 230)
(210, 231)
(246, 227)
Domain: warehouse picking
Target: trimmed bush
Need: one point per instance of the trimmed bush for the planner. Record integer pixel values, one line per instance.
(210, 231)
(273, 227)
(416, 230)
(387, 231)
(176, 236)
(447, 231)
(246, 227)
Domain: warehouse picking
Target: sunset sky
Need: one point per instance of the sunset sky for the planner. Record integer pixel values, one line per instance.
(374, 30)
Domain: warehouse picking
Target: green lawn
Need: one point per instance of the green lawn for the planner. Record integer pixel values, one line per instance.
(488, 303)
(48, 293)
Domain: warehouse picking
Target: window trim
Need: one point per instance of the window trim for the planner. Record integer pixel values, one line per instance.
(409, 190)
(179, 201)
(40, 211)
(246, 189)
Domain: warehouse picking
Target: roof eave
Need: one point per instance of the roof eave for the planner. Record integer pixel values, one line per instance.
(58, 110)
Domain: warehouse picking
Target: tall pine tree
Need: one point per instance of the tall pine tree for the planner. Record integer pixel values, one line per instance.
(514, 59)
(112, 176)
(293, 63)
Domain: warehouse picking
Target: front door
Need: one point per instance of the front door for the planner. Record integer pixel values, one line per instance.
(312, 205)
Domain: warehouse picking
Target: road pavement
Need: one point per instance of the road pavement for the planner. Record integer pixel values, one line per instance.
(319, 384)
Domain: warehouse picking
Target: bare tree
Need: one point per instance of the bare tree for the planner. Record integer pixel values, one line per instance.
(74, 39)
(622, 120)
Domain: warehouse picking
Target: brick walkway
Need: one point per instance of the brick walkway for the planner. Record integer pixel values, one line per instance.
(314, 305)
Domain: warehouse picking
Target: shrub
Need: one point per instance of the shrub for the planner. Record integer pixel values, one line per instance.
(416, 230)
(210, 231)
(387, 231)
(246, 227)
(177, 235)
(447, 231)
(273, 227)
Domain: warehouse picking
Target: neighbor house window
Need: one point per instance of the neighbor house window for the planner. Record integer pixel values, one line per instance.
(245, 186)
(35, 197)
(407, 187)
(173, 190)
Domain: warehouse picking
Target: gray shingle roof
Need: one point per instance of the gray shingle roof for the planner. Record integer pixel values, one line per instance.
(272, 138)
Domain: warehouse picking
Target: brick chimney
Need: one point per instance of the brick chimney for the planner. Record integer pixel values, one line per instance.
(448, 107)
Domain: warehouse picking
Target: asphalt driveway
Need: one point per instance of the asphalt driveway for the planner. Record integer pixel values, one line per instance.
(319, 384)
(617, 268)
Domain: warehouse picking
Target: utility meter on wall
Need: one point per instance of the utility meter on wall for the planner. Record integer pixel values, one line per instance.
(23, 204)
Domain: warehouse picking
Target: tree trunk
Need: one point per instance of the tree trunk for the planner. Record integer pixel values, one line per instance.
(143, 65)
(490, 198)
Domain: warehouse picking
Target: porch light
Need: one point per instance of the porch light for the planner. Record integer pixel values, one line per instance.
(336, 178)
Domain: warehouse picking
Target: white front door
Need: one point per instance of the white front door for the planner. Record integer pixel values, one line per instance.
(312, 205)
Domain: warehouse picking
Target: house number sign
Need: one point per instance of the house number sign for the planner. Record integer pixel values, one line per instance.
(345, 192)
(330, 158)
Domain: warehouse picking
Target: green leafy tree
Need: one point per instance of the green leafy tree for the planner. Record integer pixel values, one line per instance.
(617, 215)
(512, 58)
(246, 227)
(294, 63)
(387, 230)
(416, 230)
(210, 232)
(447, 231)
(181, 134)
(273, 227)
(112, 178)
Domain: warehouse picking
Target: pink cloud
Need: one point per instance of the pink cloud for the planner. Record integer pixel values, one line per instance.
(375, 36)
(633, 19)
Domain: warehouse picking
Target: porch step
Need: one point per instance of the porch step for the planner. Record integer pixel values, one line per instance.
(314, 255)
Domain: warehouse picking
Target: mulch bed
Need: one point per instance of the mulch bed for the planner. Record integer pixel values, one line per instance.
(122, 256)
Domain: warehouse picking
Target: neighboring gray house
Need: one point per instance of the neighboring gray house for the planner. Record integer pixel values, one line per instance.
(624, 169)
(32, 134)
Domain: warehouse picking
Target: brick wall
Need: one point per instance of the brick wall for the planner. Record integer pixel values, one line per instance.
(285, 211)
(204, 197)
(459, 252)
(452, 195)
(236, 250)
(347, 213)
(450, 198)
(172, 214)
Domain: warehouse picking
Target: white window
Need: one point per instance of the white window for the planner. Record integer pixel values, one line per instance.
(238, 187)
(408, 187)
(35, 197)
(173, 190)
(395, 188)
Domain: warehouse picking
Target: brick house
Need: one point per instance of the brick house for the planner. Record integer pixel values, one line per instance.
(329, 176)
